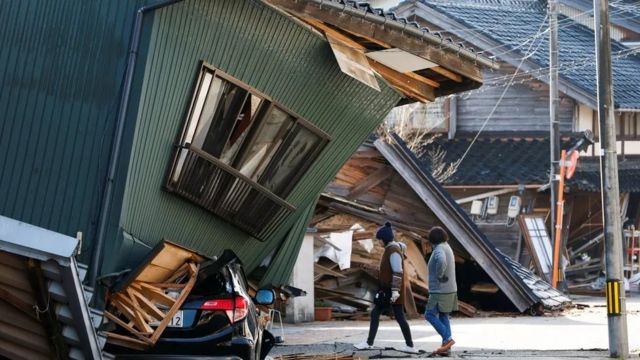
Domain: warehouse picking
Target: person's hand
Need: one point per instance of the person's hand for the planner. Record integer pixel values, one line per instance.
(395, 295)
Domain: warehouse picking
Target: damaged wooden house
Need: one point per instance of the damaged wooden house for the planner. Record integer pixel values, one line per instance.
(212, 124)
(494, 141)
(384, 181)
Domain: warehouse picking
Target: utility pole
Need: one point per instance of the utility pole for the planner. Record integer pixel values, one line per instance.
(554, 132)
(616, 304)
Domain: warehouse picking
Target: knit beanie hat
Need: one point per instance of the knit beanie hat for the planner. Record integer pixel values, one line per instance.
(385, 233)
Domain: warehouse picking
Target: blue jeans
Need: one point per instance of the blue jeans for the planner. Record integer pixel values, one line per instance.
(440, 322)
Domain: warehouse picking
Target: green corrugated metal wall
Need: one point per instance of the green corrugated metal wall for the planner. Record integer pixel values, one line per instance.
(279, 271)
(61, 67)
(268, 51)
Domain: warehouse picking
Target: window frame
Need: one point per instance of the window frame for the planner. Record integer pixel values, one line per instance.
(268, 101)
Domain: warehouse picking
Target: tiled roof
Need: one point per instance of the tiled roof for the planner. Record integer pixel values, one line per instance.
(523, 288)
(512, 22)
(390, 18)
(547, 295)
(496, 159)
(492, 160)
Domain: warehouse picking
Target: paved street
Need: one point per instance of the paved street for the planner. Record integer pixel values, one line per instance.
(575, 334)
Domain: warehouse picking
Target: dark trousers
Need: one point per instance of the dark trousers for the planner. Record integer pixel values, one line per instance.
(402, 321)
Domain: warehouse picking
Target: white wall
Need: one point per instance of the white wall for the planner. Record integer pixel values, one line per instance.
(300, 309)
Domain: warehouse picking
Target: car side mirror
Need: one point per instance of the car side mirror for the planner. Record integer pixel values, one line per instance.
(265, 297)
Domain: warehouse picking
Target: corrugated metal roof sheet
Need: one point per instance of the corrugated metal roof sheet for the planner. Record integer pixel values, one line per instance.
(279, 272)
(23, 332)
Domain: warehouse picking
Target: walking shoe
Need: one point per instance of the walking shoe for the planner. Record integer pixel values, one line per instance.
(409, 350)
(445, 347)
(363, 346)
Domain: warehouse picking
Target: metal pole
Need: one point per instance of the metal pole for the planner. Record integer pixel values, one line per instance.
(116, 146)
(558, 241)
(616, 306)
(554, 133)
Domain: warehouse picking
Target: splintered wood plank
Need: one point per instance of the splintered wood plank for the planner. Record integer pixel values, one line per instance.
(404, 82)
(126, 326)
(178, 273)
(178, 302)
(131, 314)
(347, 40)
(132, 304)
(153, 293)
(369, 182)
(168, 285)
(416, 258)
(326, 271)
(446, 73)
(166, 262)
(423, 79)
(126, 341)
(146, 304)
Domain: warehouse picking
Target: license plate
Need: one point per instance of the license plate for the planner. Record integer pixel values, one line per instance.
(177, 321)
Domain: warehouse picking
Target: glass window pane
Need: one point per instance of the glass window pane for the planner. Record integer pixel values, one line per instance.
(227, 112)
(216, 87)
(241, 128)
(203, 90)
(265, 142)
(291, 160)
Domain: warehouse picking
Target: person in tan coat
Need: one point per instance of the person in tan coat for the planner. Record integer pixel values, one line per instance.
(392, 282)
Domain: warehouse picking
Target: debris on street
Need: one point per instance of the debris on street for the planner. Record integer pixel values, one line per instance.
(150, 296)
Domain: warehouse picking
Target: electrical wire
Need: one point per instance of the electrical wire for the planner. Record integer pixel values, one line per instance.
(501, 97)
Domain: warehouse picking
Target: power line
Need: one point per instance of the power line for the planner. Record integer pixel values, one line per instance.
(501, 97)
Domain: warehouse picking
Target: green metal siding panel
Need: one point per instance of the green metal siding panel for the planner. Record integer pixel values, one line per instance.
(267, 51)
(279, 271)
(61, 65)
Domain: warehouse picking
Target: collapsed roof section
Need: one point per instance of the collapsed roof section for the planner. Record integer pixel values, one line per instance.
(367, 41)
(521, 286)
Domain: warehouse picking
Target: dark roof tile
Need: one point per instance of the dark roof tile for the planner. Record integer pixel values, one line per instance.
(520, 20)
(498, 160)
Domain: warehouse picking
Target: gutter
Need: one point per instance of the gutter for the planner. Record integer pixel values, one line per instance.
(116, 146)
(406, 28)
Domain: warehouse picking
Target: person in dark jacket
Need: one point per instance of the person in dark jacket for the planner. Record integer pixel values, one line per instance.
(443, 291)
(392, 284)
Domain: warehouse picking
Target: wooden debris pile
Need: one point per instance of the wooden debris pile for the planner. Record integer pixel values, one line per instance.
(143, 304)
(355, 286)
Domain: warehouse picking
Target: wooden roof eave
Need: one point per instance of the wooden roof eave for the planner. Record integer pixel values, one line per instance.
(451, 59)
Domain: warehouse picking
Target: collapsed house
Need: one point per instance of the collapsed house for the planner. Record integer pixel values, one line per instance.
(383, 181)
(495, 140)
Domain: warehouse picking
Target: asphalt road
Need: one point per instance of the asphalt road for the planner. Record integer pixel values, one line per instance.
(572, 334)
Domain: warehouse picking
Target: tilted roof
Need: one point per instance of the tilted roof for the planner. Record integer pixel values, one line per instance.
(514, 25)
(521, 286)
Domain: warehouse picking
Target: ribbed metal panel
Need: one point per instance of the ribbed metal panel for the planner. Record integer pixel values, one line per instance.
(61, 67)
(279, 271)
(267, 51)
(21, 336)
